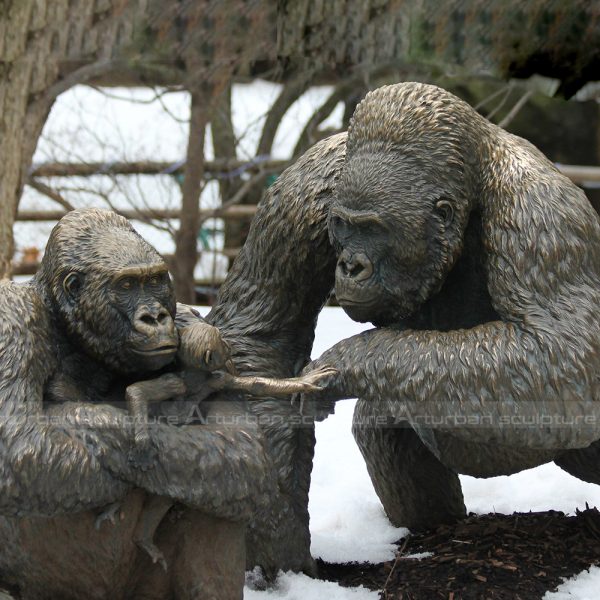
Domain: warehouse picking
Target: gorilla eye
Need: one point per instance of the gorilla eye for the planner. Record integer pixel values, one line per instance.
(339, 227)
(125, 283)
(72, 285)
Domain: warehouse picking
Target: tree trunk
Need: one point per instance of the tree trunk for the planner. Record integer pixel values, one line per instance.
(225, 147)
(186, 238)
(35, 37)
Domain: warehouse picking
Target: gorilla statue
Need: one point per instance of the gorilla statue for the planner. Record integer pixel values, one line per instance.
(479, 265)
(98, 321)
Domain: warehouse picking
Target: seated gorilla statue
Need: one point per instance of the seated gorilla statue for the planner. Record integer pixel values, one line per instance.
(479, 265)
(98, 317)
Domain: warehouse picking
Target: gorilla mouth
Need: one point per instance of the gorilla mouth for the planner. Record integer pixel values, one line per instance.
(345, 301)
(156, 351)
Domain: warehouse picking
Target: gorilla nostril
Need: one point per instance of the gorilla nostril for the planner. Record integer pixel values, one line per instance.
(148, 319)
(356, 269)
(162, 317)
(356, 266)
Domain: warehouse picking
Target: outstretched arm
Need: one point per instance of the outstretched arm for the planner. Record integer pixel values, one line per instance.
(531, 379)
(495, 383)
(315, 381)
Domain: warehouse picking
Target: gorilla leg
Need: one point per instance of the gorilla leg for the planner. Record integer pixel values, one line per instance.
(417, 491)
(210, 562)
(206, 559)
(583, 464)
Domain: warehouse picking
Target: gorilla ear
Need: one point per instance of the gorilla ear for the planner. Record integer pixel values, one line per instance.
(446, 211)
(72, 285)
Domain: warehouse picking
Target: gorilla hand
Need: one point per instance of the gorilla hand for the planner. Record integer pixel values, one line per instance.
(202, 347)
(320, 402)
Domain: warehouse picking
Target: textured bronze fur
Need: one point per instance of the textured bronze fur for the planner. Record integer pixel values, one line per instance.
(99, 318)
(483, 279)
(487, 305)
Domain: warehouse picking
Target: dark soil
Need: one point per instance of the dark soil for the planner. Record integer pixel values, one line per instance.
(491, 557)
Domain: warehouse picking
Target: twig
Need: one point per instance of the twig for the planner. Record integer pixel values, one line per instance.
(42, 188)
(514, 111)
(398, 555)
(237, 197)
(492, 96)
(500, 104)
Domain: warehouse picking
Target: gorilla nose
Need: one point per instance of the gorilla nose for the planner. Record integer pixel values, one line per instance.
(355, 266)
(151, 320)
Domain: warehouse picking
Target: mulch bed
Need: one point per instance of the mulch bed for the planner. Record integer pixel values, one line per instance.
(490, 557)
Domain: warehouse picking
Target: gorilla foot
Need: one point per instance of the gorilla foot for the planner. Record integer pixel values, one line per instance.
(109, 514)
(153, 552)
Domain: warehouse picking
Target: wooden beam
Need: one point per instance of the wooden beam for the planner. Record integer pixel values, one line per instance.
(219, 169)
(580, 174)
(215, 169)
(239, 211)
(30, 268)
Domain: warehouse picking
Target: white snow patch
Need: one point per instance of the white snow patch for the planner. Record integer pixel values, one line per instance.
(291, 586)
(543, 488)
(347, 520)
(418, 556)
(585, 586)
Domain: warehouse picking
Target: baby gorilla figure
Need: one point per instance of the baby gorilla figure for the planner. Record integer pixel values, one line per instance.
(207, 368)
(202, 351)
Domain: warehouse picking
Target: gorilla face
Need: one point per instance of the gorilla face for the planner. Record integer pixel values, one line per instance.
(397, 229)
(125, 319)
(112, 292)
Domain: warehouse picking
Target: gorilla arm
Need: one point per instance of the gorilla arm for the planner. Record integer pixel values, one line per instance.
(530, 380)
(220, 469)
(44, 468)
(73, 456)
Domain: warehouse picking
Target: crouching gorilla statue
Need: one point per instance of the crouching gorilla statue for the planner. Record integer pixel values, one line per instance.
(479, 265)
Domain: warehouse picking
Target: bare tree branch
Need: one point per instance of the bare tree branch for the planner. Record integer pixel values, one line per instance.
(236, 198)
(289, 94)
(491, 97)
(78, 76)
(500, 105)
(47, 191)
(338, 95)
(514, 111)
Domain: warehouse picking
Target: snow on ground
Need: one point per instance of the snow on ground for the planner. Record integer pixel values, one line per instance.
(300, 587)
(347, 519)
(585, 586)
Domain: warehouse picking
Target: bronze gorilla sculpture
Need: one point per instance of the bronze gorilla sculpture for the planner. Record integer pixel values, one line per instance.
(518, 267)
(479, 263)
(99, 319)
